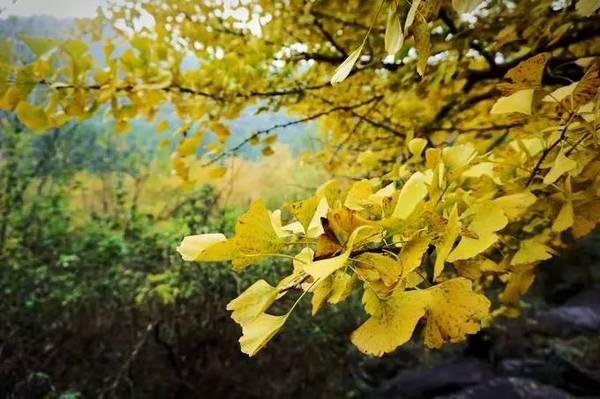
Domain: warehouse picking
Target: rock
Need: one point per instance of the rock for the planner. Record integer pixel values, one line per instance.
(540, 370)
(570, 320)
(588, 298)
(578, 315)
(443, 378)
(509, 387)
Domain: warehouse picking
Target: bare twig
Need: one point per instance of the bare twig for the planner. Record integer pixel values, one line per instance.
(549, 149)
(291, 123)
(132, 357)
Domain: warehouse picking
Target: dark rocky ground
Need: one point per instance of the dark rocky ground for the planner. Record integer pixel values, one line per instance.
(548, 353)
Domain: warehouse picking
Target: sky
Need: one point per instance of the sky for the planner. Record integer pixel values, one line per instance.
(56, 8)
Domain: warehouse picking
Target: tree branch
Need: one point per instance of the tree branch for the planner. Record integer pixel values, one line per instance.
(291, 123)
(549, 150)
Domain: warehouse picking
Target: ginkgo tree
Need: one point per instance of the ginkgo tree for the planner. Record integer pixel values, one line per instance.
(463, 134)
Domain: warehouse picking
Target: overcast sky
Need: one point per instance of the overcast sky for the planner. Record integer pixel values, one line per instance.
(57, 8)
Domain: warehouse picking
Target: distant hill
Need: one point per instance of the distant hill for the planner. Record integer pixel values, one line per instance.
(36, 26)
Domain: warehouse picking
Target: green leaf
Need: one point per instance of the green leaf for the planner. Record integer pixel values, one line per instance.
(32, 116)
(75, 48)
(6, 51)
(39, 45)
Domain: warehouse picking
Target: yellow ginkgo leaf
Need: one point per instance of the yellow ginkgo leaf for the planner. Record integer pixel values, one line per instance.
(586, 8)
(270, 140)
(517, 284)
(412, 13)
(514, 205)
(252, 302)
(219, 252)
(320, 294)
(216, 171)
(388, 269)
(458, 156)
(415, 278)
(342, 72)
(443, 248)
(453, 311)
(341, 286)
(277, 225)
(392, 323)
(323, 268)
(294, 228)
(379, 197)
(304, 211)
(267, 151)
(565, 218)
(331, 191)
(526, 75)
(359, 194)
(258, 332)
(74, 48)
(469, 247)
(561, 93)
(255, 236)
(482, 169)
(520, 101)
(298, 277)
(531, 250)
(189, 145)
(123, 126)
(342, 222)
(220, 130)
(192, 246)
(473, 268)
(416, 146)
(411, 194)
(303, 258)
(163, 126)
(562, 164)
(315, 227)
(422, 44)
(394, 38)
(371, 301)
(411, 254)
(587, 216)
(488, 219)
(465, 6)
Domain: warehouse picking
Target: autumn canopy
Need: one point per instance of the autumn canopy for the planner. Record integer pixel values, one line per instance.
(462, 137)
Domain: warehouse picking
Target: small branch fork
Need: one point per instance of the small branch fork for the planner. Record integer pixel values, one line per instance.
(549, 150)
(253, 136)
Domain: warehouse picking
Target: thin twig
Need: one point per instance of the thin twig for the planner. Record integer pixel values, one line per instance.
(549, 149)
(131, 358)
(288, 124)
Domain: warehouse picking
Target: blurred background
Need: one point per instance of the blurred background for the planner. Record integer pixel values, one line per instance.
(97, 303)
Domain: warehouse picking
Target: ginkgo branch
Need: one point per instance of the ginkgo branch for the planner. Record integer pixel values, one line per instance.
(288, 124)
(549, 150)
